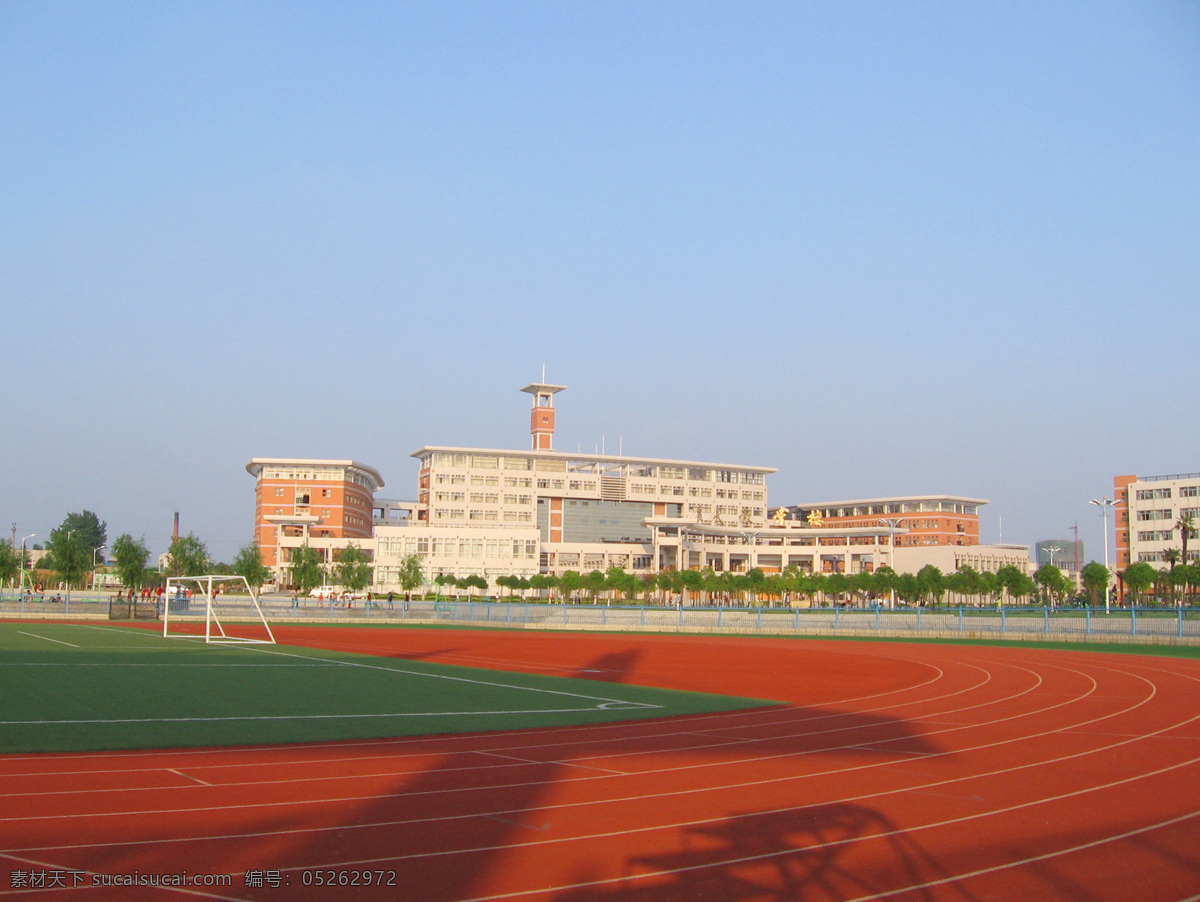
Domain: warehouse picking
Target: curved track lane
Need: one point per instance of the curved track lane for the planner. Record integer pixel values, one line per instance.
(890, 771)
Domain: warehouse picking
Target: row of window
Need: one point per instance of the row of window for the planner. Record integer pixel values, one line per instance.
(510, 482)
(1153, 494)
(482, 497)
(315, 474)
(1185, 491)
(1165, 535)
(457, 546)
(463, 460)
(904, 507)
(639, 488)
(458, 513)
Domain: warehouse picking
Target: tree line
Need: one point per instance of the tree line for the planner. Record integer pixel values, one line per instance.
(75, 548)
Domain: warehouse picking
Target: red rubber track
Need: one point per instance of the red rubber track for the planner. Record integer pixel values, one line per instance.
(896, 771)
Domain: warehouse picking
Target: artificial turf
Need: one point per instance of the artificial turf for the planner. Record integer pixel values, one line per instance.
(88, 687)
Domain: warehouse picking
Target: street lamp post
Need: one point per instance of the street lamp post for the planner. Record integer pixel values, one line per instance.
(32, 535)
(1104, 504)
(95, 551)
(1050, 552)
(891, 524)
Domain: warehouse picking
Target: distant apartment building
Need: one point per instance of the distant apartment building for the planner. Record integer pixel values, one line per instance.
(1148, 514)
(1065, 554)
(927, 519)
(321, 503)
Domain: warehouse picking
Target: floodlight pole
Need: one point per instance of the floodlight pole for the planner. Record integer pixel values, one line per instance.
(21, 589)
(95, 551)
(1104, 504)
(891, 524)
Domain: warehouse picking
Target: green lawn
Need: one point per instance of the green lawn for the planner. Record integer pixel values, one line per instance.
(74, 687)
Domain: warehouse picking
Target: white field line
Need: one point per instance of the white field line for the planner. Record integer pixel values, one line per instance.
(904, 831)
(807, 732)
(274, 717)
(645, 730)
(439, 676)
(788, 809)
(46, 638)
(395, 742)
(518, 813)
(419, 674)
(666, 794)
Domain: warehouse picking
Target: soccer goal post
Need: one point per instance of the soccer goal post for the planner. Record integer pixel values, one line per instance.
(184, 594)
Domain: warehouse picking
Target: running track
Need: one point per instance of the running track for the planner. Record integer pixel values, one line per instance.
(892, 771)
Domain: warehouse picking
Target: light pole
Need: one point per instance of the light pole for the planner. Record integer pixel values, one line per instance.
(1104, 504)
(891, 524)
(32, 535)
(95, 551)
(1050, 552)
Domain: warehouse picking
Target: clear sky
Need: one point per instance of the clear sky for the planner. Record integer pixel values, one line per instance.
(888, 248)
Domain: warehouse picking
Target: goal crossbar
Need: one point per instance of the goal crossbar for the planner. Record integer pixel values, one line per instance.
(214, 632)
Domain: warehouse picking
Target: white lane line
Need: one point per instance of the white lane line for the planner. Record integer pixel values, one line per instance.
(47, 638)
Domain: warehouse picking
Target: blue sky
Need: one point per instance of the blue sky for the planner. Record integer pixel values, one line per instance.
(888, 248)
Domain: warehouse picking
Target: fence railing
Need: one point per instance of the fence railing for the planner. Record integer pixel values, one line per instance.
(1138, 624)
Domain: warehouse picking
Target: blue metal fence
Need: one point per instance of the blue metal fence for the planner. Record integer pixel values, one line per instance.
(1139, 624)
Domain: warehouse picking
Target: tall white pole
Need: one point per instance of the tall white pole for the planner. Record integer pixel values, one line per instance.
(1104, 504)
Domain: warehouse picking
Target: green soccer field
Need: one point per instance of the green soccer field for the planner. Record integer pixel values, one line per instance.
(77, 687)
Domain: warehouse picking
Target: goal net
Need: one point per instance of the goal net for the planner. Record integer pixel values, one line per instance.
(194, 605)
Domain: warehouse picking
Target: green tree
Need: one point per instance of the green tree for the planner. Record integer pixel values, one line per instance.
(409, 574)
(129, 557)
(692, 581)
(757, 581)
(885, 581)
(1188, 578)
(569, 584)
(1095, 581)
(1021, 586)
(965, 581)
(88, 530)
(475, 581)
(10, 562)
(836, 583)
(990, 587)
(353, 569)
(1183, 577)
(1186, 524)
(540, 582)
(908, 587)
(248, 563)
(594, 582)
(65, 555)
(1164, 585)
(307, 569)
(931, 582)
(187, 556)
(862, 584)
(622, 584)
(1052, 581)
(1138, 578)
(512, 582)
